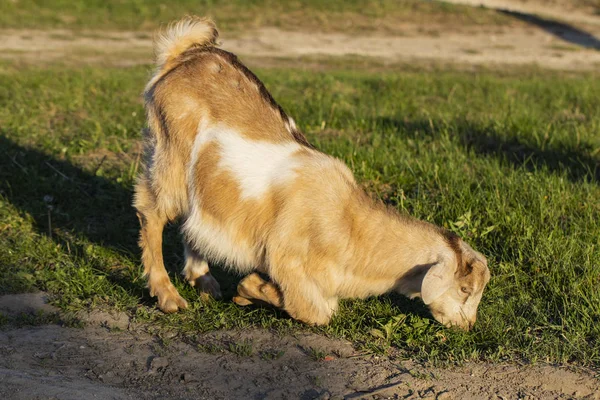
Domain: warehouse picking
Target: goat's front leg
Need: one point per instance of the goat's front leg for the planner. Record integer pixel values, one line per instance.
(304, 298)
(297, 295)
(253, 289)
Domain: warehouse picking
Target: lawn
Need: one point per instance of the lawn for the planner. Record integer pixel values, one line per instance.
(510, 162)
(333, 15)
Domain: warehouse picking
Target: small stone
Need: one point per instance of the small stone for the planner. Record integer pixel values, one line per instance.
(158, 364)
(443, 395)
(324, 396)
(501, 396)
(428, 393)
(169, 334)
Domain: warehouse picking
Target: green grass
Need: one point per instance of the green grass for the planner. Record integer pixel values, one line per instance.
(244, 348)
(510, 162)
(316, 354)
(271, 354)
(353, 15)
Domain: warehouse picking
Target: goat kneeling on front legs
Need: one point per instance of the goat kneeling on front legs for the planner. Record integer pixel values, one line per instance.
(253, 194)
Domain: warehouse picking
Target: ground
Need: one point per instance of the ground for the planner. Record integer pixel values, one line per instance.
(97, 342)
(114, 359)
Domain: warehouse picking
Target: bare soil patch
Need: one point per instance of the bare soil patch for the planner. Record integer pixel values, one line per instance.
(113, 358)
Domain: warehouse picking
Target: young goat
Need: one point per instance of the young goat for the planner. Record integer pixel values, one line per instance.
(255, 195)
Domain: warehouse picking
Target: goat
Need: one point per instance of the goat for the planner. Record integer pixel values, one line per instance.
(255, 195)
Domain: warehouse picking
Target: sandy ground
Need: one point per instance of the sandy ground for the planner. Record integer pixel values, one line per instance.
(542, 35)
(114, 359)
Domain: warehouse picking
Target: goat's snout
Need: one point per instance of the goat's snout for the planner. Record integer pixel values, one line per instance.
(461, 321)
(464, 324)
(467, 324)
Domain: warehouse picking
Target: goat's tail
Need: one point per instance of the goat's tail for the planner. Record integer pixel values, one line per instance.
(182, 35)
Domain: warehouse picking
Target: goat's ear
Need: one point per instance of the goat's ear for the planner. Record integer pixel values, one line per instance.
(437, 280)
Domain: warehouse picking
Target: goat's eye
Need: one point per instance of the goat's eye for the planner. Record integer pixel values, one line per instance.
(464, 289)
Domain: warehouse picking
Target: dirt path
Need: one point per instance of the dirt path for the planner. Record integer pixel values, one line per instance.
(114, 359)
(531, 41)
(65, 363)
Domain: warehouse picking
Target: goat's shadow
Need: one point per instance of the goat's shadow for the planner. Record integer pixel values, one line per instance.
(69, 204)
(98, 210)
(408, 306)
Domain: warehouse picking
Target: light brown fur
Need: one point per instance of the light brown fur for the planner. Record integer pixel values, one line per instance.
(294, 214)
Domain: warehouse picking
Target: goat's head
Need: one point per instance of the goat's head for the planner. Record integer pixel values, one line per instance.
(452, 288)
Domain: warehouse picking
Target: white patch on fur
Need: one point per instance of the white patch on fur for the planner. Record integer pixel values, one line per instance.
(203, 136)
(212, 241)
(256, 165)
(216, 242)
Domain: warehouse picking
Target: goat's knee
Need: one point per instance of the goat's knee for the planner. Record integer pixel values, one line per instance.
(309, 305)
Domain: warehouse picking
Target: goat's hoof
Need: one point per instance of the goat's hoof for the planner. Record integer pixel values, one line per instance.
(208, 284)
(241, 301)
(169, 301)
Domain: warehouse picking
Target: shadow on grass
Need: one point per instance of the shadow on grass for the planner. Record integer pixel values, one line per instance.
(408, 306)
(488, 141)
(72, 206)
(95, 209)
(579, 166)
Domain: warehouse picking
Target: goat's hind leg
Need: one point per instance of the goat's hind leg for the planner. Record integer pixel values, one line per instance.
(197, 273)
(152, 222)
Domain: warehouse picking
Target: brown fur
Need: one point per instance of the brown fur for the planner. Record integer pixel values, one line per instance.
(297, 215)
